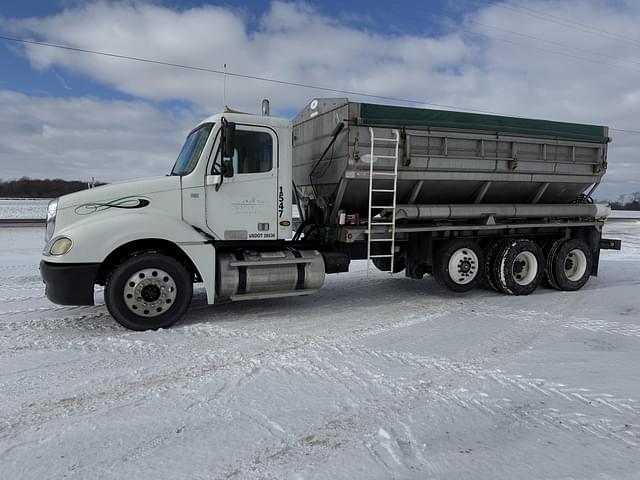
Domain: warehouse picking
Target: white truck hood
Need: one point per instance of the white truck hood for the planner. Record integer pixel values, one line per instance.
(130, 194)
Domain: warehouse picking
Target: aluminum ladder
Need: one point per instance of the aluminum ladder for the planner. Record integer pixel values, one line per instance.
(385, 236)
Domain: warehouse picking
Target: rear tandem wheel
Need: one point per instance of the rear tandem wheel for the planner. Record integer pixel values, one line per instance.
(569, 264)
(518, 267)
(459, 265)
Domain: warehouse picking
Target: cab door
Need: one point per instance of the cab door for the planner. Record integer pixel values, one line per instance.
(244, 206)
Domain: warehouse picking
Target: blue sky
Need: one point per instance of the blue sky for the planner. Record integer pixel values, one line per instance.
(433, 17)
(571, 60)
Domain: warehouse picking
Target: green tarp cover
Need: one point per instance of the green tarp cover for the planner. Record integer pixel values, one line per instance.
(371, 114)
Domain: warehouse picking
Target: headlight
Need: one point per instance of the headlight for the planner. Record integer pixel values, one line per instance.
(61, 246)
(52, 210)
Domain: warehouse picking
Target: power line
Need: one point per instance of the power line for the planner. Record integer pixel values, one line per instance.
(233, 74)
(570, 23)
(533, 37)
(553, 52)
(274, 80)
(546, 50)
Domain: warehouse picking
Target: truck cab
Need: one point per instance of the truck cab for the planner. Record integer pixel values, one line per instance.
(247, 195)
(147, 241)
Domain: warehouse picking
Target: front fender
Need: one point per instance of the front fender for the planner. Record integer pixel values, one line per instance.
(94, 238)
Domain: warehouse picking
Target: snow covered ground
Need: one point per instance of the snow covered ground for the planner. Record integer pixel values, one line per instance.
(625, 214)
(23, 208)
(378, 378)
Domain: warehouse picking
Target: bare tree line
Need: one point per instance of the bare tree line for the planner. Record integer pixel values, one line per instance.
(26, 187)
(627, 202)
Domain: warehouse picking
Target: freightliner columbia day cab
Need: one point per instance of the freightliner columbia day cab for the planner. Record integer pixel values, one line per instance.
(468, 198)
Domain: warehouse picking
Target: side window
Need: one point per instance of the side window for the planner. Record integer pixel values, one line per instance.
(253, 153)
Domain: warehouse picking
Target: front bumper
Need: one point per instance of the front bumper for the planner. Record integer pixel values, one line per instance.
(69, 283)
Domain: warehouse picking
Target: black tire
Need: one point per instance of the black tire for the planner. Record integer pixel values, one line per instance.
(519, 267)
(156, 285)
(550, 254)
(572, 264)
(490, 255)
(459, 265)
(384, 264)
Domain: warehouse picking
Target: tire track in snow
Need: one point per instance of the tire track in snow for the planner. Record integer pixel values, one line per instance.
(49, 308)
(30, 325)
(350, 375)
(539, 386)
(365, 383)
(22, 287)
(536, 386)
(353, 377)
(355, 384)
(545, 319)
(12, 279)
(21, 298)
(611, 327)
(484, 404)
(204, 366)
(522, 412)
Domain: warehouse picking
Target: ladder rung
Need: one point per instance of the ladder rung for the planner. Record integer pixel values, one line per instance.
(374, 139)
(385, 174)
(382, 206)
(380, 256)
(382, 190)
(381, 223)
(393, 157)
(382, 239)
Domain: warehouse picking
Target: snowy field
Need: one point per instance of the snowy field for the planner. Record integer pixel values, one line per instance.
(370, 379)
(23, 208)
(625, 214)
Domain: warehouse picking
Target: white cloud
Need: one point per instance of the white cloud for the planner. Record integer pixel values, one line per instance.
(83, 138)
(293, 41)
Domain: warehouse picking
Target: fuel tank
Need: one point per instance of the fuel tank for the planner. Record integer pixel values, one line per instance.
(250, 273)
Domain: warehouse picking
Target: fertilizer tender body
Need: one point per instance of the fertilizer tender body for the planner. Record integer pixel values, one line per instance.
(444, 157)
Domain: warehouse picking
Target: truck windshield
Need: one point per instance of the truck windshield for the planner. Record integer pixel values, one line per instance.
(191, 150)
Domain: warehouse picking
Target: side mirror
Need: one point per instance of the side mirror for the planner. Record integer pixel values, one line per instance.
(227, 168)
(228, 139)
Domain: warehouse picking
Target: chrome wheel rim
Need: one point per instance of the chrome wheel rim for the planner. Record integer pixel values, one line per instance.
(150, 292)
(463, 266)
(575, 265)
(525, 268)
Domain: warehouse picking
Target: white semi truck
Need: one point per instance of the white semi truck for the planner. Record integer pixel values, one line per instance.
(468, 198)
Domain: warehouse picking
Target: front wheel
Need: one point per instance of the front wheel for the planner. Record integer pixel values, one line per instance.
(148, 291)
